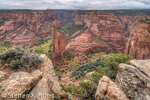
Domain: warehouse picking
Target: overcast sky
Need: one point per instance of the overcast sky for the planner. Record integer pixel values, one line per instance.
(75, 4)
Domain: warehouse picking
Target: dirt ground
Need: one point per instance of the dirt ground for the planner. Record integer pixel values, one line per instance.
(66, 79)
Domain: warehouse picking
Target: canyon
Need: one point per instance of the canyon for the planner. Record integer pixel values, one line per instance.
(102, 31)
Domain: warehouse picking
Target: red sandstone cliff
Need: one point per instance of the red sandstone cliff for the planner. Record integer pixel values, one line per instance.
(138, 45)
(25, 26)
(58, 42)
(104, 31)
(128, 21)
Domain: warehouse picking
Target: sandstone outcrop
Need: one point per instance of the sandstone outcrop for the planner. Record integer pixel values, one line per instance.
(108, 90)
(25, 26)
(49, 77)
(138, 45)
(134, 79)
(19, 83)
(102, 25)
(58, 42)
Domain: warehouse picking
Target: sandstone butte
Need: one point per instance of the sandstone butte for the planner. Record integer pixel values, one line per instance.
(104, 32)
(25, 26)
(138, 45)
(58, 42)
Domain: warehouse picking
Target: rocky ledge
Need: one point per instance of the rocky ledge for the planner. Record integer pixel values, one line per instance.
(40, 82)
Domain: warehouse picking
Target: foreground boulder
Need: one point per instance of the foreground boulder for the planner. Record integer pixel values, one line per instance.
(48, 85)
(108, 90)
(50, 75)
(18, 83)
(134, 79)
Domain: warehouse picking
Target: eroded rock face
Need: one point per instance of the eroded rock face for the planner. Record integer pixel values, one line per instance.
(19, 83)
(138, 45)
(134, 79)
(102, 25)
(108, 90)
(25, 26)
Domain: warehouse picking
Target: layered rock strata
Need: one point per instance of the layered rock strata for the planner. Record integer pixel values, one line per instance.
(102, 25)
(25, 26)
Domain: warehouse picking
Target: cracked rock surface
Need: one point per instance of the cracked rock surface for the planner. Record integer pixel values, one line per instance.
(134, 79)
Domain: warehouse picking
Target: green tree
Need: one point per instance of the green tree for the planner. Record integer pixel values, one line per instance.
(95, 77)
(59, 77)
(112, 61)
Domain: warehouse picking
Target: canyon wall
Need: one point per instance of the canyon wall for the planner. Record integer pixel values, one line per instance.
(58, 42)
(138, 45)
(101, 26)
(128, 21)
(65, 14)
(25, 26)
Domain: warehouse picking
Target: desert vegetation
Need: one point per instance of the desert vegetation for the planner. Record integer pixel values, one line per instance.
(17, 57)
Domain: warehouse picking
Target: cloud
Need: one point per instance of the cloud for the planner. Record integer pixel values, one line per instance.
(75, 4)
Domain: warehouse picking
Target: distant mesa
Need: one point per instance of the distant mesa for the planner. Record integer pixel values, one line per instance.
(58, 42)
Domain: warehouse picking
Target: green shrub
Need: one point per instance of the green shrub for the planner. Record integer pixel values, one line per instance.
(76, 77)
(18, 57)
(112, 61)
(70, 97)
(63, 71)
(49, 50)
(59, 76)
